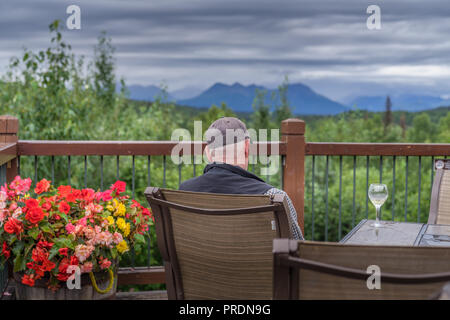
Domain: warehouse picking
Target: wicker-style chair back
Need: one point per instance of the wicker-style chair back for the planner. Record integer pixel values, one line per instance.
(217, 246)
(440, 194)
(323, 270)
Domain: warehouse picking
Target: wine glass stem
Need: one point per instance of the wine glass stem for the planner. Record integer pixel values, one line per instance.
(378, 214)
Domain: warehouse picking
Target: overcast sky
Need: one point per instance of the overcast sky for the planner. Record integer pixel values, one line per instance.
(195, 43)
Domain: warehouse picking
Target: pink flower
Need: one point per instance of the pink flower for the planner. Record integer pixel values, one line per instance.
(3, 196)
(3, 215)
(70, 228)
(106, 195)
(10, 194)
(104, 238)
(82, 252)
(105, 263)
(79, 229)
(20, 186)
(13, 206)
(16, 214)
(86, 267)
(92, 209)
(89, 232)
(117, 238)
(82, 222)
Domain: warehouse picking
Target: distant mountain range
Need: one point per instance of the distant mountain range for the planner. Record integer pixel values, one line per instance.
(302, 99)
(407, 102)
(145, 93)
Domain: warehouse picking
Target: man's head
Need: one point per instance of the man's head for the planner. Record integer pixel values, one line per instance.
(228, 141)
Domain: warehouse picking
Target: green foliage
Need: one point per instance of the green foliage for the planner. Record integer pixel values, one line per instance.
(215, 113)
(283, 110)
(423, 130)
(261, 117)
(104, 76)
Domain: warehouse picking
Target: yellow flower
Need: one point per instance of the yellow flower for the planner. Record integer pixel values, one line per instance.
(110, 208)
(110, 220)
(121, 223)
(126, 232)
(122, 246)
(123, 226)
(120, 210)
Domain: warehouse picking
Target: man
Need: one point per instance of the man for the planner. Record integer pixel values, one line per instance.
(227, 150)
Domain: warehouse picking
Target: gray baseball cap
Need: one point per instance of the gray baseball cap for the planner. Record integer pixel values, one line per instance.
(226, 130)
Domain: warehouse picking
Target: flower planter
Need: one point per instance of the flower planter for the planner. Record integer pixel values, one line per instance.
(87, 292)
(48, 235)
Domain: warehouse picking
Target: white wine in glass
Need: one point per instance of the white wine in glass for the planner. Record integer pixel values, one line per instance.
(378, 193)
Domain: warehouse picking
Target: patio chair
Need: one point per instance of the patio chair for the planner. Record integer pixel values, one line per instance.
(217, 246)
(440, 194)
(323, 270)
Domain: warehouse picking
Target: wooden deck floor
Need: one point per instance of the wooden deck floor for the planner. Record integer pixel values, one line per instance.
(135, 295)
(142, 295)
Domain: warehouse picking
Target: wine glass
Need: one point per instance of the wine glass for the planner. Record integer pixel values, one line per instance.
(378, 194)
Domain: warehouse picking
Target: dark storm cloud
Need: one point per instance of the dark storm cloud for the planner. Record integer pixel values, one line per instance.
(198, 42)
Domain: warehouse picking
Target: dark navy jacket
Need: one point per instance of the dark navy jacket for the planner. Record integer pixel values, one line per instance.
(226, 178)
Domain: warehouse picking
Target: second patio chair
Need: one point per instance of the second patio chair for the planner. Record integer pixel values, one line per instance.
(324, 270)
(217, 246)
(440, 194)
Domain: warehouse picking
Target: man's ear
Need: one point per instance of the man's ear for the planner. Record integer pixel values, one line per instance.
(247, 148)
(208, 153)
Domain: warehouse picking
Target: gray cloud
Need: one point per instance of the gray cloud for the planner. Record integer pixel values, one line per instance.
(324, 43)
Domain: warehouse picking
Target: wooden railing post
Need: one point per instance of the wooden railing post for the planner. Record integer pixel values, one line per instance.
(9, 129)
(293, 134)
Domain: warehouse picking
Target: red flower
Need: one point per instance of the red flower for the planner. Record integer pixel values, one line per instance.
(64, 190)
(119, 187)
(13, 226)
(146, 212)
(64, 207)
(34, 215)
(28, 280)
(5, 250)
(106, 195)
(48, 265)
(73, 260)
(63, 251)
(45, 245)
(71, 197)
(62, 275)
(76, 194)
(42, 186)
(31, 203)
(47, 205)
(39, 254)
(87, 194)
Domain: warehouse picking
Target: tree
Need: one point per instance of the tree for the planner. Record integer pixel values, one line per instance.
(403, 125)
(215, 113)
(387, 114)
(283, 110)
(261, 116)
(104, 76)
(444, 129)
(423, 130)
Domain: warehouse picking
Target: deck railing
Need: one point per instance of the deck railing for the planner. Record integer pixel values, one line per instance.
(326, 181)
(347, 169)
